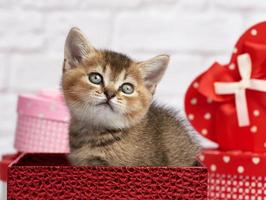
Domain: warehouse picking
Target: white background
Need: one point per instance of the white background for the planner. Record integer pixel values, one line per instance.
(195, 34)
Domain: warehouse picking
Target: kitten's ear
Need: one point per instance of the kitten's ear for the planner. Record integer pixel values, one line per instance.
(77, 47)
(153, 70)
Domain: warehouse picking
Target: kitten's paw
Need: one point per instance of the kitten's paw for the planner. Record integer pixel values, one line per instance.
(97, 161)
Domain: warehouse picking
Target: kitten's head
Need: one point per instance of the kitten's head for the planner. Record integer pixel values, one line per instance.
(107, 89)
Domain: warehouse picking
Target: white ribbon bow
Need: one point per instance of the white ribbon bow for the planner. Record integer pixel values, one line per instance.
(239, 88)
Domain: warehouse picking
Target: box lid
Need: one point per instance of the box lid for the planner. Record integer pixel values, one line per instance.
(47, 104)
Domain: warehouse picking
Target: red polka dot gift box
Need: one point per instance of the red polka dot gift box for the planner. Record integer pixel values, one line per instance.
(227, 104)
(235, 174)
(50, 176)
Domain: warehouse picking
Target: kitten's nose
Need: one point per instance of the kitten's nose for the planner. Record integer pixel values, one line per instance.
(109, 94)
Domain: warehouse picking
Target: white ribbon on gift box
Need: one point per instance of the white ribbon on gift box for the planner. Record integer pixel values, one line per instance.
(239, 88)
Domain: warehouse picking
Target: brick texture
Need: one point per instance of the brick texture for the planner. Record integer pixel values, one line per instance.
(21, 30)
(194, 33)
(177, 31)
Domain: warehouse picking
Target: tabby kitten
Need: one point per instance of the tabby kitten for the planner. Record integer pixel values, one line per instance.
(113, 119)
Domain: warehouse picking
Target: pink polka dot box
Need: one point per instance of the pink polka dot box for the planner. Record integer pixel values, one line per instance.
(42, 124)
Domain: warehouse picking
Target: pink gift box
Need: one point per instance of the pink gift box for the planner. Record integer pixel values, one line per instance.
(42, 124)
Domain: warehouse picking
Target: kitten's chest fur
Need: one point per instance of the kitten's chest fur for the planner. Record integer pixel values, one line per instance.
(157, 140)
(115, 148)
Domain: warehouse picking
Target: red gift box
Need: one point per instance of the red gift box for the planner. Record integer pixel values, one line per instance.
(227, 103)
(235, 174)
(4, 163)
(50, 176)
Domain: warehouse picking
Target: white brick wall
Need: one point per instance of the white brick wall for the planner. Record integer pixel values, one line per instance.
(195, 33)
(21, 30)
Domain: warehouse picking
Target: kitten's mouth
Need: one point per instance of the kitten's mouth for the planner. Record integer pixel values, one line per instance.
(106, 103)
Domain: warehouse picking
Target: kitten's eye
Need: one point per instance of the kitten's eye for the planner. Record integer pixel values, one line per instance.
(127, 88)
(95, 78)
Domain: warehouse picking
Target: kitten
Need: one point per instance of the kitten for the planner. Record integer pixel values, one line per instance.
(113, 119)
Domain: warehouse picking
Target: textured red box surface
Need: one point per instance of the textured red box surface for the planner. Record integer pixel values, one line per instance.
(4, 162)
(50, 176)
